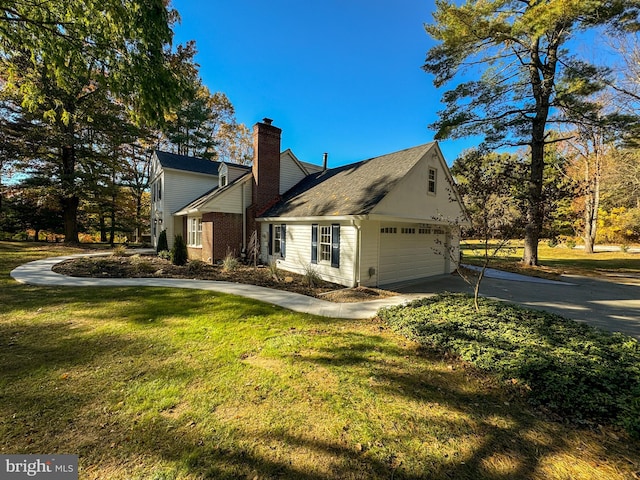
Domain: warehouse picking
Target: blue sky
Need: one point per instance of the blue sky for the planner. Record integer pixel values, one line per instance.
(337, 76)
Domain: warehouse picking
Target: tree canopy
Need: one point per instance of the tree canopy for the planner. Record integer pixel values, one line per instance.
(529, 75)
(81, 67)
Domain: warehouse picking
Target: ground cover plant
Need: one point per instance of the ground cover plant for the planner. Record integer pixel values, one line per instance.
(181, 384)
(574, 370)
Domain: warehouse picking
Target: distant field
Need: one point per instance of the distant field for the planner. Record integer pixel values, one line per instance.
(558, 260)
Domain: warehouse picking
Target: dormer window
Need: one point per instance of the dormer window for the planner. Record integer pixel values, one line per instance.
(223, 175)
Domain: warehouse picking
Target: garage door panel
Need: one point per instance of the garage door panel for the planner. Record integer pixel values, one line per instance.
(409, 256)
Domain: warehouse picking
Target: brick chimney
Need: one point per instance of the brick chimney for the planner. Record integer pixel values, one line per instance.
(266, 166)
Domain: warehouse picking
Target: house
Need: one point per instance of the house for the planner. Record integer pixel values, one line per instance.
(384, 220)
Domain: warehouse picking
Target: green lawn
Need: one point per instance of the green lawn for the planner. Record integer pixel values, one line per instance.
(557, 260)
(166, 384)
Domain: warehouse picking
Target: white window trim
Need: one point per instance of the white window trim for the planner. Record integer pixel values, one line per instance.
(277, 240)
(321, 252)
(432, 182)
(194, 231)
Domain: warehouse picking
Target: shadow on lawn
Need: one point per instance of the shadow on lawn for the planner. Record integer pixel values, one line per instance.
(523, 438)
(505, 444)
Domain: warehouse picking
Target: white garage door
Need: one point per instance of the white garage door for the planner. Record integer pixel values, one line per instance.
(407, 253)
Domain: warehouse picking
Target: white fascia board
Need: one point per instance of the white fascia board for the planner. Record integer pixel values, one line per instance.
(182, 213)
(430, 221)
(341, 218)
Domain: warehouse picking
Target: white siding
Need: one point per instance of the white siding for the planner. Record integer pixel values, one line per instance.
(410, 198)
(369, 254)
(290, 172)
(227, 202)
(234, 172)
(298, 252)
(178, 189)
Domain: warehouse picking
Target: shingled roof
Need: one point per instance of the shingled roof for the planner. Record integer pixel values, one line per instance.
(353, 189)
(188, 164)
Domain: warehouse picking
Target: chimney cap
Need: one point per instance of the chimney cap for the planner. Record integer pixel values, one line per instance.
(267, 121)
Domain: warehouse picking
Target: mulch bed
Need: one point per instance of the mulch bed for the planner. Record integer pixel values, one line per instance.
(150, 266)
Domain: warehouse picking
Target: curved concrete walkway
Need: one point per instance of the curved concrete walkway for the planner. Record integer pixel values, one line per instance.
(614, 306)
(39, 273)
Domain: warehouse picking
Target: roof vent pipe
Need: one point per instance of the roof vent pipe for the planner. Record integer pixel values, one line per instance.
(325, 156)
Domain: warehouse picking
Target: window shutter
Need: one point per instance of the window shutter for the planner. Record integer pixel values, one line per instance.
(270, 242)
(283, 240)
(335, 245)
(314, 243)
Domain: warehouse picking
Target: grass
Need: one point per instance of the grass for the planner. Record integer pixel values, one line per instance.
(558, 260)
(179, 384)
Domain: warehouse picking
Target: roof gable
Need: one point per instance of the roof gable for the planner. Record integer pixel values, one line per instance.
(186, 163)
(353, 189)
(411, 197)
(203, 203)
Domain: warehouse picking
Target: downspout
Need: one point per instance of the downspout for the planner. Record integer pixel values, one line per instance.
(244, 218)
(357, 263)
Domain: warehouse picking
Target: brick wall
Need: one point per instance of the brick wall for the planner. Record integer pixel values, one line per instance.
(227, 234)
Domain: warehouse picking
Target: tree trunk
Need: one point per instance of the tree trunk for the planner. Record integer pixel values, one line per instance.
(592, 203)
(103, 228)
(542, 80)
(70, 217)
(535, 208)
(69, 200)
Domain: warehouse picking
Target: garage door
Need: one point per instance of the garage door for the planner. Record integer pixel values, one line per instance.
(407, 253)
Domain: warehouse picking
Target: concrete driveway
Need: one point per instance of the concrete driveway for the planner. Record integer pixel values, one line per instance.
(612, 305)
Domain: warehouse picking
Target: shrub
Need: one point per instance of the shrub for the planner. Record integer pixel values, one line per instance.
(552, 242)
(119, 251)
(142, 265)
(273, 270)
(230, 262)
(311, 276)
(179, 254)
(164, 254)
(580, 372)
(196, 266)
(162, 242)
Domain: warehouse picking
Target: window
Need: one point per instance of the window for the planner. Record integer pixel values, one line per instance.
(431, 186)
(277, 237)
(325, 244)
(194, 232)
(277, 240)
(408, 230)
(160, 189)
(223, 180)
(424, 231)
(388, 230)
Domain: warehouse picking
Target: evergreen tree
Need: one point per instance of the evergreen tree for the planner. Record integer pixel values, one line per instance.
(529, 72)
